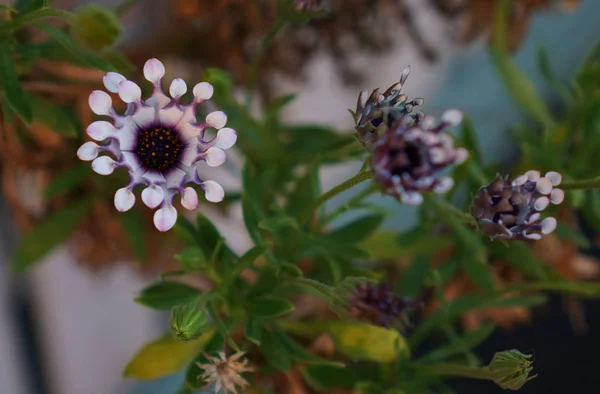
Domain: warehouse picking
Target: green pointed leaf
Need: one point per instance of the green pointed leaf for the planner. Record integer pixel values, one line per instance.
(192, 259)
(308, 188)
(275, 351)
(268, 307)
(165, 295)
(301, 354)
(478, 271)
(247, 260)
(165, 356)
(134, 231)
(357, 230)
(358, 341)
(463, 344)
(49, 234)
(292, 270)
(68, 180)
(518, 84)
(268, 279)
(57, 118)
(253, 329)
(76, 51)
(222, 327)
(278, 223)
(10, 86)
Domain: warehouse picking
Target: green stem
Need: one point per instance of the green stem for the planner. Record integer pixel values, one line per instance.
(342, 187)
(591, 183)
(36, 15)
(257, 59)
(353, 202)
(445, 207)
(447, 369)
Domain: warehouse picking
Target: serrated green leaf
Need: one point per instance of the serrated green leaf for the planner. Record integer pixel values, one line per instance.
(49, 234)
(358, 341)
(301, 354)
(268, 306)
(134, 232)
(165, 356)
(68, 180)
(192, 259)
(275, 351)
(10, 86)
(165, 295)
(464, 343)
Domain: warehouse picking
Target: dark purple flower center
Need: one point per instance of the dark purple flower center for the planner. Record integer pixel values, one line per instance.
(159, 148)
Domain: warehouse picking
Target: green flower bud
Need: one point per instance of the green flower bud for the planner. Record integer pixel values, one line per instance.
(95, 27)
(188, 321)
(510, 369)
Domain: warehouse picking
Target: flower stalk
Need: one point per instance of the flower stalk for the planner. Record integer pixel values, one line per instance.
(582, 184)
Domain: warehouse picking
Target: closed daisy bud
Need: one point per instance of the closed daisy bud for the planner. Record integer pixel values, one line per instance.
(511, 209)
(378, 304)
(407, 160)
(189, 322)
(376, 113)
(510, 369)
(160, 142)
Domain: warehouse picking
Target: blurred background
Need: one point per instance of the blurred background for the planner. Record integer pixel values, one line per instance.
(70, 325)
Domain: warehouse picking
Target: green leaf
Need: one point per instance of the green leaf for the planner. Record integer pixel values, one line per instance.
(186, 230)
(275, 351)
(268, 307)
(222, 327)
(300, 354)
(253, 329)
(326, 378)
(208, 237)
(470, 140)
(134, 231)
(68, 180)
(57, 118)
(194, 372)
(11, 88)
(581, 289)
(292, 270)
(165, 295)
(478, 271)
(84, 55)
(471, 302)
(268, 279)
(549, 75)
(463, 344)
(278, 223)
(518, 84)
(25, 6)
(306, 141)
(49, 234)
(307, 188)
(192, 259)
(358, 341)
(165, 356)
(357, 230)
(519, 256)
(247, 260)
(412, 280)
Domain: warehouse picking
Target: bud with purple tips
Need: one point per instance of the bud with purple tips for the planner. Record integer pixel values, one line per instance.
(510, 209)
(407, 159)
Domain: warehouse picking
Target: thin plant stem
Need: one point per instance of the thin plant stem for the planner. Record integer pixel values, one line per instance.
(254, 68)
(36, 15)
(447, 369)
(582, 184)
(342, 187)
(446, 208)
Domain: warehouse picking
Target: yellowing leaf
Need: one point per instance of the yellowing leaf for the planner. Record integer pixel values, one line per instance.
(358, 341)
(165, 356)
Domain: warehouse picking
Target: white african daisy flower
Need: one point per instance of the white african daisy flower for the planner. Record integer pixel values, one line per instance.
(159, 141)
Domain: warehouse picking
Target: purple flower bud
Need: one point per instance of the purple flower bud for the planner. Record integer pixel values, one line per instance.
(378, 304)
(376, 113)
(510, 209)
(407, 160)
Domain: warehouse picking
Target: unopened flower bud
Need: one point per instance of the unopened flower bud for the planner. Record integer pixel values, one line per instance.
(96, 27)
(510, 369)
(188, 321)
